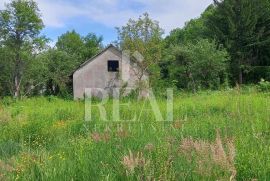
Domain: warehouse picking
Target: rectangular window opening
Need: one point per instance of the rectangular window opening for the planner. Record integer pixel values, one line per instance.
(113, 66)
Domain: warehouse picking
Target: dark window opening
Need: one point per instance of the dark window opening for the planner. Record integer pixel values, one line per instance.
(113, 66)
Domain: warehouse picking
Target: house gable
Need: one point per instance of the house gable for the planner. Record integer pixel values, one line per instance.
(105, 71)
(110, 48)
(94, 72)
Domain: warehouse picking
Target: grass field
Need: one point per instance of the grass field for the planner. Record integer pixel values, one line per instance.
(214, 136)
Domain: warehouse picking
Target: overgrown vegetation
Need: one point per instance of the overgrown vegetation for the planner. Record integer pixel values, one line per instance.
(231, 37)
(214, 136)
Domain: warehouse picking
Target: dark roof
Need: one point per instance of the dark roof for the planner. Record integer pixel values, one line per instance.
(91, 59)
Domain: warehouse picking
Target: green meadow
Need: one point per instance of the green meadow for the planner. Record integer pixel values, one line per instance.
(223, 135)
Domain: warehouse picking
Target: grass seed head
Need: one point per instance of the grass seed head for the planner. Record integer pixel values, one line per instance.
(132, 161)
(208, 155)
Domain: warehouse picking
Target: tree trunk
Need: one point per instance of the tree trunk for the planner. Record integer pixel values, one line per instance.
(16, 86)
(240, 72)
(18, 69)
(17, 76)
(240, 79)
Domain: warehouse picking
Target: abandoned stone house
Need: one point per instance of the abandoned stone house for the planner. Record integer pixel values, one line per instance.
(105, 72)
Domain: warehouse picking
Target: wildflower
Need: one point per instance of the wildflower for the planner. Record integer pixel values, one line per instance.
(59, 124)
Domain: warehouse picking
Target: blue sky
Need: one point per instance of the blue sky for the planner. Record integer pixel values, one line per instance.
(102, 16)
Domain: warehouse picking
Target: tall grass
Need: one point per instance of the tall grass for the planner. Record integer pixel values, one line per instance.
(214, 136)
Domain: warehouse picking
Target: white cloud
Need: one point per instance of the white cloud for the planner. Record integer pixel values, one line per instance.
(174, 13)
(56, 13)
(2, 3)
(112, 13)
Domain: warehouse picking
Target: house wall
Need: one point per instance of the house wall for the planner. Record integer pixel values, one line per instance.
(95, 75)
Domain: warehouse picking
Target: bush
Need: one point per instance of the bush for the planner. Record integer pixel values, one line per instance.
(264, 86)
(200, 65)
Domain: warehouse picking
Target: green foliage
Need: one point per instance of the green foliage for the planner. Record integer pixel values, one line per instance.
(187, 54)
(199, 65)
(71, 42)
(81, 48)
(242, 27)
(5, 69)
(192, 31)
(58, 66)
(34, 68)
(264, 86)
(29, 67)
(256, 73)
(143, 36)
(92, 45)
(20, 26)
(71, 51)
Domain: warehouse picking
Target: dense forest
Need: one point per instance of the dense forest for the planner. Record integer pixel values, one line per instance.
(228, 45)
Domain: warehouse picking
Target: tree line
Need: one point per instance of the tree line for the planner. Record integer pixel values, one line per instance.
(228, 44)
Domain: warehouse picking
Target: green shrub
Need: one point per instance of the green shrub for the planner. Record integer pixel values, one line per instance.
(264, 86)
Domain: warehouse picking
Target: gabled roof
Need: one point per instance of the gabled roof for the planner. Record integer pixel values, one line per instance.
(94, 57)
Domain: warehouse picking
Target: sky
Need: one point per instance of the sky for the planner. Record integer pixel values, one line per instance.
(102, 16)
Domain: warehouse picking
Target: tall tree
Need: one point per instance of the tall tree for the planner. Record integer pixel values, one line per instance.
(72, 43)
(193, 31)
(144, 36)
(242, 26)
(92, 45)
(20, 26)
(5, 69)
(81, 48)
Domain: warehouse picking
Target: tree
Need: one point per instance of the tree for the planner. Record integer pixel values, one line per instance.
(242, 26)
(199, 65)
(143, 36)
(5, 69)
(81, 48)
(193, 31)
(72, 50)
(59, 65)
(92, 45)
(72, 43)
(20, 26)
